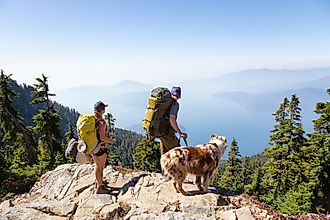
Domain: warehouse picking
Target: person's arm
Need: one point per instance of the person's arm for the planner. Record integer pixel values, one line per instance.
(103, 137)
(176, 127)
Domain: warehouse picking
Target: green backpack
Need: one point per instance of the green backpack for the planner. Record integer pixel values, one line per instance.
(156, 121)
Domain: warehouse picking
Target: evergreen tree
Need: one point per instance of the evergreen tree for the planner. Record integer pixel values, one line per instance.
(282, 172)
(297, 138)
(124, 149)
(254, 187)
(111, 124)
(46, 124)
(296, 201)
(59, 158)
(215, 180)
(147, 156)
(274, 181)
(22, 104)
(4, 164)
(299, 197)
(231, 179)
(316, 156)
(14, 131)
(70, 134)
(297, 141)
(247, 170)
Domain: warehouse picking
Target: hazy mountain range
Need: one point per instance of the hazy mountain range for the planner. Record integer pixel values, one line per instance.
(238, 104)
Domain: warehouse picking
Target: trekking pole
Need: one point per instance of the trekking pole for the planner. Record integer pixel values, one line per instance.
(185, 141)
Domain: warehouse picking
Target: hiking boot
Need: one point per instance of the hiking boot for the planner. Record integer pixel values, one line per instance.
(102, 190)
(104, 182)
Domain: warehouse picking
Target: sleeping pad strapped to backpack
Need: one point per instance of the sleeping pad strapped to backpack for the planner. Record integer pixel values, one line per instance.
(156, 121)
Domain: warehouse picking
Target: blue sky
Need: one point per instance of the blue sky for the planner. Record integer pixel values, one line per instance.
(78, 43)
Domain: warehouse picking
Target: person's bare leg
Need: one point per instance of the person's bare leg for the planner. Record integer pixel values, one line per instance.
(98, 169)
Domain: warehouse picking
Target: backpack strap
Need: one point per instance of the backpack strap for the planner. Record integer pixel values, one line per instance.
(97, 129)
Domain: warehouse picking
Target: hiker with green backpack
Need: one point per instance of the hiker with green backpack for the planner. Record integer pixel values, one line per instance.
(161, 117)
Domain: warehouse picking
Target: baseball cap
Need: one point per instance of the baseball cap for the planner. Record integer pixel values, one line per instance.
(176, 91)
(99, 105)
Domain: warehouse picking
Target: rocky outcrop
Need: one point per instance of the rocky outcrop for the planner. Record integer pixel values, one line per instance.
(68, 192)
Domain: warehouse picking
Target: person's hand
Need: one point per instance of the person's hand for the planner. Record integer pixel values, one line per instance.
(183, 135)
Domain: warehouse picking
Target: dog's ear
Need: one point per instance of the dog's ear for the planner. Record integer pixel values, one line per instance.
(223, 139)
(213, 136)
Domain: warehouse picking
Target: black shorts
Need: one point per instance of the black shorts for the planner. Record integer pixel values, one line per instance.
(101, 152)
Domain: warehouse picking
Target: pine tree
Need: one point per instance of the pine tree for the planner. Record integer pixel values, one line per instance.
(281, 171)
(247, 170)
(297, 130)
(274, 181)
(147, 156)
(4, 164)
(317, 159)
(46, 124)
(305, 171)
(282, 177)
(69, 134)
(296, 201)
(124, 150)
(254, 186)
(60, 158)
(231, 179)
(14, 129)
(215, 180)
(297, 141)
(111, 124)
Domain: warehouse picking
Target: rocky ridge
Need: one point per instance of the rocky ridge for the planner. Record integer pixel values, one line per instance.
(68, 193)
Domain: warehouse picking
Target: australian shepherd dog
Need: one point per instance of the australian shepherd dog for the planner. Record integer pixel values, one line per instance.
(201, 161)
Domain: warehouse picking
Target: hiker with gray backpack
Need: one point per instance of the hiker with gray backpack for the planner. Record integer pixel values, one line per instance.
(100, 156)
(161, 118)
(92, 143)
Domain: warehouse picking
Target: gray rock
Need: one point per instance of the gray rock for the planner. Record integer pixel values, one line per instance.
(68, 192)
(155, 195)
(227, 215)
(93, 206)
(244, 213)
(27, 214)
(5, 204)
(135, 211)
(59, 208)
(207, 211)
(110, 211)
(171, 216)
